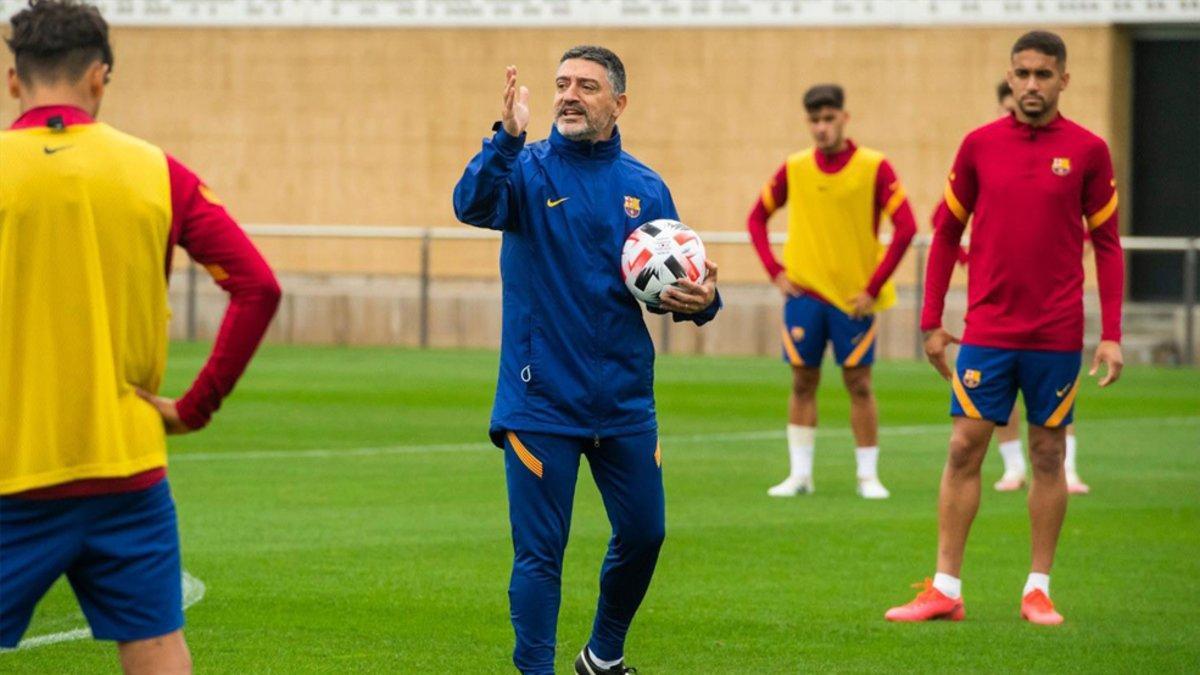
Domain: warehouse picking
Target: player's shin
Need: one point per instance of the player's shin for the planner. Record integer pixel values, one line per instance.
(958, 500)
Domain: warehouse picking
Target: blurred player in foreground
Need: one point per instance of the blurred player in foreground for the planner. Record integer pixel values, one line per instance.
(834, 277)
(576, 360)
(1008, 436)
(89, 218)
(1033, 180)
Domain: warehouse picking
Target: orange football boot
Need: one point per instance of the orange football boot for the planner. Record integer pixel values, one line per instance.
(1036, 607)
(929, 605)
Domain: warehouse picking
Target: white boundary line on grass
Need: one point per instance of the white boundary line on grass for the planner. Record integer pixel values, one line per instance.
(335, 453)
(193, 592)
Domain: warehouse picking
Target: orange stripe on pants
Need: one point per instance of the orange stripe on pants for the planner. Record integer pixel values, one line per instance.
(532, 463)
(1060, 413)
(861, 350)
(965, 401)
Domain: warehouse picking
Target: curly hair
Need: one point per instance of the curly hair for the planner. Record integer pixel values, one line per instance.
(56, 39)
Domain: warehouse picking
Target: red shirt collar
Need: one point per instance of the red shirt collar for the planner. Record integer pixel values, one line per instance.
(41, 116)
(838, 160)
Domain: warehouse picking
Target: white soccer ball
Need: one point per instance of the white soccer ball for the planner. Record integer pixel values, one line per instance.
(658, 254)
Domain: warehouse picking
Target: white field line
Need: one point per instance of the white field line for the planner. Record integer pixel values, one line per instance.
(193, 592)
(765, 435)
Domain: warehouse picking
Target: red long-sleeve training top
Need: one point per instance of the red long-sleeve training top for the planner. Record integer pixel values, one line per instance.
(1029, 193)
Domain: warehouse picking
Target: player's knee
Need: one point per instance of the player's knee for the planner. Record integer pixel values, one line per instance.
(859, 388)
(966, 454)
(1046, 457)
(645, 539)
(804, 384)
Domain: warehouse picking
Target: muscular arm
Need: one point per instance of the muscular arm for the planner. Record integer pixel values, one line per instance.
(203, 227)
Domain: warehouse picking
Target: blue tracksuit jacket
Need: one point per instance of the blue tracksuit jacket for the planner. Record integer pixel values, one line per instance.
(575, 356)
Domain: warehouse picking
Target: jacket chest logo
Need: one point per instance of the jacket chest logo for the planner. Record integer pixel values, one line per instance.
(633, 206)
(1061, 166)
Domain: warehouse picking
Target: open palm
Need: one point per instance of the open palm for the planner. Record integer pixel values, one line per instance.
(515, 113)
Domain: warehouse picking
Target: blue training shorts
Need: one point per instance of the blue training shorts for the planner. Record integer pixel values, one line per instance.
(809, 323)
(120, 553)
(986, 381)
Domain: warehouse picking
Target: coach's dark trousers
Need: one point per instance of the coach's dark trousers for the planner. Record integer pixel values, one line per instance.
(541, 473)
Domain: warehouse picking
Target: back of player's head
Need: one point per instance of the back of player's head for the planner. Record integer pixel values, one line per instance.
(53, 40)
(603, 56)
(1043, 42)
(1003, 91)
(824, 96)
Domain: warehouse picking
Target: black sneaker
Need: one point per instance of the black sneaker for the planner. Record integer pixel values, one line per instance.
(584, 665)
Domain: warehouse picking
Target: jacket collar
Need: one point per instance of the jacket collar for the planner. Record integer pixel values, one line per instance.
(44, 116)
(601, 150)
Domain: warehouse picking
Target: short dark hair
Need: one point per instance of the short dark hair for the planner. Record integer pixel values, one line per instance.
(1003, 91)
(1044, 42)
(605, 57)
(53, 39)
(824, 96)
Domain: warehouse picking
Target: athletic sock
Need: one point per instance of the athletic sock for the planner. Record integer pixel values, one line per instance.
(1014, 457)
(800, 448)
(868, 462)
(1037, 580)
(604, 665)
(951, 587)
(1069, 462)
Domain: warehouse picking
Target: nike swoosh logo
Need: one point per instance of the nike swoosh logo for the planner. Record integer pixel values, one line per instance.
(555, 202)
(1063, 392)
(50, 151)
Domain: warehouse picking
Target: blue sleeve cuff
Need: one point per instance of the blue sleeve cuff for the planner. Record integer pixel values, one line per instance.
(506, 142)
(700, 318)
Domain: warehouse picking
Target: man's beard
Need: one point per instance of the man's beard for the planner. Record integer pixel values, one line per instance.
(1027, 106)
(590, 130)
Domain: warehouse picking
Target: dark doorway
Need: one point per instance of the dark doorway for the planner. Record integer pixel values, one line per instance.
(1166, 159)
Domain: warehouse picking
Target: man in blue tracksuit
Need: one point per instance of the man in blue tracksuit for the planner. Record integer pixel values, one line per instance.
(576, 360)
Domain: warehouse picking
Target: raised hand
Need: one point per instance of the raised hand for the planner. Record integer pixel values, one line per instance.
(515, 112)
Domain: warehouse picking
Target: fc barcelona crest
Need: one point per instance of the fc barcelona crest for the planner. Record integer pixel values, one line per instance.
(972, 378)
(633, 206)
(1061, 166)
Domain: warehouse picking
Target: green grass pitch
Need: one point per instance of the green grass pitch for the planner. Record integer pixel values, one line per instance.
(387, 548)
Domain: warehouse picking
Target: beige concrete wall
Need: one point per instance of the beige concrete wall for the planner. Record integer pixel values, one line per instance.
(328, 126)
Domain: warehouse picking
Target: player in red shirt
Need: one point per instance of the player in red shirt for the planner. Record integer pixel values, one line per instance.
(1032, 181)
(1008, 436)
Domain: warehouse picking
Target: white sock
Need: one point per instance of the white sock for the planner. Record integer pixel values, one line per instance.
(1069, 462)
(605, 665)
(868, 461)
(1037, 580)
(800, 448)
(1014, 457)
(951, 587)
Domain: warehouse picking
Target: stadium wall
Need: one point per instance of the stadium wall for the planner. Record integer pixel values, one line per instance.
(373, 127)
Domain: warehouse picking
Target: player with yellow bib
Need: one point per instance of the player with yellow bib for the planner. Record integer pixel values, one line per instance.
(834, 276)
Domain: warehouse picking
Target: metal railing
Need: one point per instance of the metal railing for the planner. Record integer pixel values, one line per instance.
(1189, 246)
